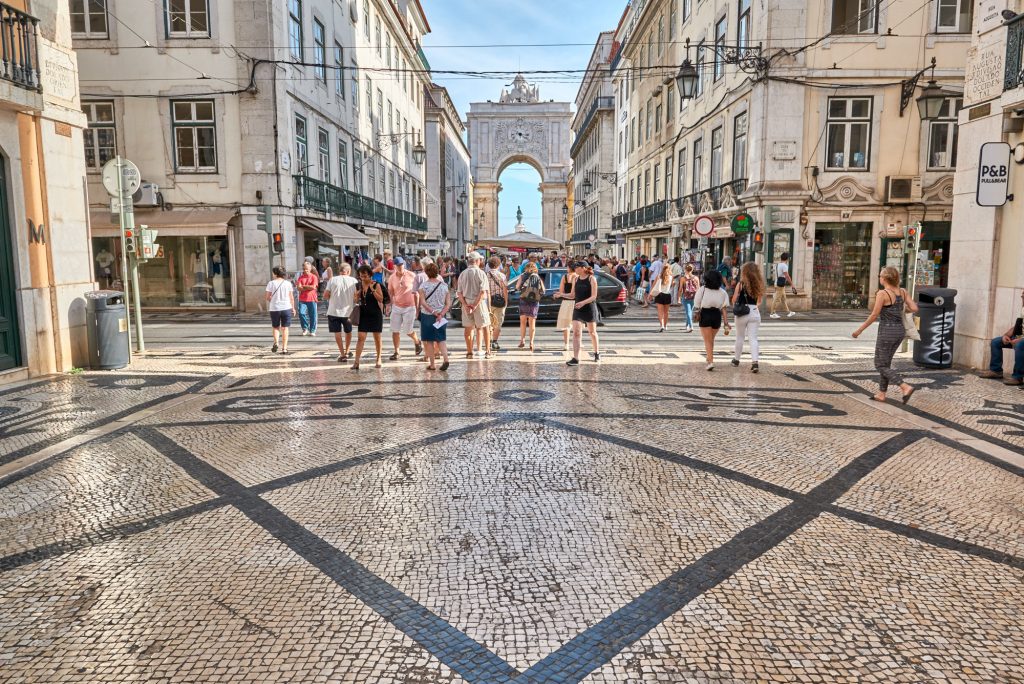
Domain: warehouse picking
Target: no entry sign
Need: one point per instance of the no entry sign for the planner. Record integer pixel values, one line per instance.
(704, 226)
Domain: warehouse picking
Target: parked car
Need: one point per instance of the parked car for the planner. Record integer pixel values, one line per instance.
(611, 297)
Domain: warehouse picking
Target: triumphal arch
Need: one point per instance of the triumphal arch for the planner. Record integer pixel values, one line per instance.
(519, 127)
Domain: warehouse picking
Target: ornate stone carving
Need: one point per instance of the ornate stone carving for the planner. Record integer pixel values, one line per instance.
(847, 190)
(521, 136)
(521, 92)
(939, 192)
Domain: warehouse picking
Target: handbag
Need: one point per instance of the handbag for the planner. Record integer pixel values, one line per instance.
(353, 317)
(497, 299)
(910, 330)
(741, 307)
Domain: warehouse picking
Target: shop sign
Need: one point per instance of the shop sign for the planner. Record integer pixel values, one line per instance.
(704, 226)
(993, 175)
(742, 223)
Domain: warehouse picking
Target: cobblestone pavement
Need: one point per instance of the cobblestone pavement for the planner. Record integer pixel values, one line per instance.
(236, 516)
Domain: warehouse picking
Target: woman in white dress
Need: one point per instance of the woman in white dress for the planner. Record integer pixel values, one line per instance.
(565, 310)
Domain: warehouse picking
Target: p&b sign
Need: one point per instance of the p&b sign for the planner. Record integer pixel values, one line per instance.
(993, 175)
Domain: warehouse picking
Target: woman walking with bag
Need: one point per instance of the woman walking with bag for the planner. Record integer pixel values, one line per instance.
(711, 302)
(584, 294)
(891, 303)
(435, 302)
(689, 287)
(661, 293)
(531, 289)
(744, 310)
(280, 298)
(370, 298)
(566, 308)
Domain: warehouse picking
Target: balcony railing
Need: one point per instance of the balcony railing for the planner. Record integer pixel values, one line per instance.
(316, 195)
(598, 103)
(19, 50)
(1013, 74)
(718, 198)
(644, 216)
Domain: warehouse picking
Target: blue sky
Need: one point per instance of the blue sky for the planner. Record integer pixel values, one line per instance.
(497, 22)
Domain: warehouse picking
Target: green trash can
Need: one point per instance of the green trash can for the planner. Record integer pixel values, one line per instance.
(107, 323)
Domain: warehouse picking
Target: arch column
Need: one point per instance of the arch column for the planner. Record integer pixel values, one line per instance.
(485, 202)
(552, 197)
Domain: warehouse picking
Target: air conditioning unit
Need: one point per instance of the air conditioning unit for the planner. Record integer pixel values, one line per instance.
(148, 195)
(902, 189)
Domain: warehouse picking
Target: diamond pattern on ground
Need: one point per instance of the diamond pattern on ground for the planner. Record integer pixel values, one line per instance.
(181, 604)
(845, 604)
(530, 545)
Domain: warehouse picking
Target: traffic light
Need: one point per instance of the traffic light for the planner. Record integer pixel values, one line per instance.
(278, 243)
(129, 241)
(758, 241)
(912, 234)
(264, 219)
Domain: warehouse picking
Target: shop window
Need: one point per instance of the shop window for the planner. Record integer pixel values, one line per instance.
(319, 52)
(195, 136)
(188, 19)
(842, 265)
(739, 146)
(89, 18)
(324, 150)
(943, 134)
(849, 133)
(101, 135)
(295, 28)
(854, 16)
(954, 16)
(301, 146)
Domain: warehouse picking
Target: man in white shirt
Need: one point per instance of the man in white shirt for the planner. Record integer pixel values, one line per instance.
(340, 294)
(474, 294)
(677, 275)
(655, 270)
(782, 279)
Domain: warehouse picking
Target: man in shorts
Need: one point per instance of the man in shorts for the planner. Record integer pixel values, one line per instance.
(473, 293)
(402, 288)
(498, 287)
(340, 294)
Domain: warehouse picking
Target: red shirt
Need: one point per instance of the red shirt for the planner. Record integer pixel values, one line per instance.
(308, 279)
(403, 289)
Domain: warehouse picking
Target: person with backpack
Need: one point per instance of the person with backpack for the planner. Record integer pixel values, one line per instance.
(531, 289)
(689, 287)
(748, 294)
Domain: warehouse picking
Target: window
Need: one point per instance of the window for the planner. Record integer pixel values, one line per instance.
(954, 16)
(355, 86)
(89, 18)
(720, 48)
(657, 182)
(647, 186)
(319, 52)
(380, 110)
(668, 177)
(188, 19)
(369, 99)
(849, 133)
(739, 146)
(698, 164)
(195, 136)
(632, 138)
(391, 118)
(700, 70)
(366, 19)
(301, 146)
(387, 49)
(670, 103)
(854, 16)
(372, 185)
(630, 206)
(650, 115)
(717, 140)
(324, 148)
(339, 71)
(743, 24)
(657, 117)
(681, 180)
(343, 164)
(687, 9)
(376, 34)
(672, 18)
(380, 176)
(394, 194)
(620, 145)
(101, 135)
(942, 135)
(661, 35)
(295, 28)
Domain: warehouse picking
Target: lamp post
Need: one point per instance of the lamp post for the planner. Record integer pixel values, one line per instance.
(747, 57)
(929, 104)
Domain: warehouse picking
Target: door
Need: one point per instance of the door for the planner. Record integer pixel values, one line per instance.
(10, 338)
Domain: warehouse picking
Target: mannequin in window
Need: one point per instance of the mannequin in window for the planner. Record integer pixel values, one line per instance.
(217, 265)
(198, 266)
(104, 263)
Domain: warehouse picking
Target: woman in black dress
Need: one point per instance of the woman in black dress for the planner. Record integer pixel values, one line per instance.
(584, 294)
(370, 300)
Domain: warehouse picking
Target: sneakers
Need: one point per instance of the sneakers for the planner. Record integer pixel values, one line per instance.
(689, 330)
(710, 367)
(753, 367)
(572, 362)
(791, 314)
(991, 375)
(735, 363)
(494, 346)
(775, 316)
(305, 333)
(312, 334)
(273, 349)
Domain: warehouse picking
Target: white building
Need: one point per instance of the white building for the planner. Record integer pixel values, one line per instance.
(310, 107)
(449, 185)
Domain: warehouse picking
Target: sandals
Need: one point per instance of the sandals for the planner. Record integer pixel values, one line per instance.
(906, 396)
(444, 366)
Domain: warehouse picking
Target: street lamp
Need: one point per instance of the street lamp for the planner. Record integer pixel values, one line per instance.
(686, 80)
(565, 210)
(587, 186)
(929, 104)
(747, 58)
(462, 197)
(419, 153)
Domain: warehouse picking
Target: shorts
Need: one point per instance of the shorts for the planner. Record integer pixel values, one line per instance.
(663, 298)
(281, 319)
(403, 319)
(428, 333)
(497, 316)
(480, 317)
(710, 318)
(336, 324)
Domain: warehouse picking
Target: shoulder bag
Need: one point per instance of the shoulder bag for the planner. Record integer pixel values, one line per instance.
(741, 307)
(357, 306)
(910, 330)
(498, 300)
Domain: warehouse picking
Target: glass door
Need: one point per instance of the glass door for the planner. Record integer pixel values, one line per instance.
(842, 265)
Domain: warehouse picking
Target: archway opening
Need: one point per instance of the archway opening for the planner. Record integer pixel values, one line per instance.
(520, 187)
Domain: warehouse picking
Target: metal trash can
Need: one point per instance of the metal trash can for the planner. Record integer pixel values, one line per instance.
(938, 316)
(107, 323)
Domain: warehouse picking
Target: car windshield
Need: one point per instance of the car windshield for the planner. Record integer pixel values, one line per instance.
(555, 279)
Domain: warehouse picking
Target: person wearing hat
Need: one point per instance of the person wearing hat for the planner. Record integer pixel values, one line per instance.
(402, 288)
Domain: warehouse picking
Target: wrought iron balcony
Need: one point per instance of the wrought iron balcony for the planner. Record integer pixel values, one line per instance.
(19, 49)
(644, 216)
(316, 195)
(1013, 74)
(716, 198)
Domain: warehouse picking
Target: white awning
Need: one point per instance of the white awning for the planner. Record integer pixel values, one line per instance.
(341, 234)
(185, 222)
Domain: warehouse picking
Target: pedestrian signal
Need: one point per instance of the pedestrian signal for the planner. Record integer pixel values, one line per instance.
(758, 241)
(278, 243)
(264, 219)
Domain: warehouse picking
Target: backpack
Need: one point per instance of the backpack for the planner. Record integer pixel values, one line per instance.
(690, 288)
(531, 293)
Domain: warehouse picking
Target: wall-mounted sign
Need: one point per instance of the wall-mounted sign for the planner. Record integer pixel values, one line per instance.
(784, 150)
(742, 223)
(993, 175)
(704, 226)
(984, 79)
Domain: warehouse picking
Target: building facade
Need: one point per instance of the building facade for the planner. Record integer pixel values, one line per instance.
(316, 114)
(593, 155)
(449, 184)
(819, 140)
(987, 242)
(44, 239)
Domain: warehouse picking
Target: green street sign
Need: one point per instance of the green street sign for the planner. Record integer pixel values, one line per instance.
(742, 223)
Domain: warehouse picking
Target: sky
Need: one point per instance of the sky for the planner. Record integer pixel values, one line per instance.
(503, 23)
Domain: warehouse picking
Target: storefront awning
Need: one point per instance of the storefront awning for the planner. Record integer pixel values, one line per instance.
(341, 234)
(196, 222)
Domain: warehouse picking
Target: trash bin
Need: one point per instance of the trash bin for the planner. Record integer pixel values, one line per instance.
(938, 315)
(107, 322)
